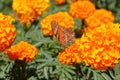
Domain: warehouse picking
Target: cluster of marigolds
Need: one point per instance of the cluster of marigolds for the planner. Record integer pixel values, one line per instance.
(98, 47)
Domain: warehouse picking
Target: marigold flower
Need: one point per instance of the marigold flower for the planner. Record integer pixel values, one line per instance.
(21, 51)
(82, 9)
(28, 10)
(59, 2)
(70, 55)
(63, 19)
(74, 0)
(100, 16)
(77, 0)
(7, 32)
(100, 47)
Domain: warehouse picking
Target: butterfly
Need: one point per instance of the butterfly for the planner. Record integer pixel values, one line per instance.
(64, 35)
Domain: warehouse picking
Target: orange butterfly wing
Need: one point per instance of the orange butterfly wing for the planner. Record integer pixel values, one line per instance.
(64, 35)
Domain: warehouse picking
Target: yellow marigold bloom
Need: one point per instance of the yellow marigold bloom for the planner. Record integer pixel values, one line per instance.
(7, 32)
(70, 55)
(28, 10)
(82, 9)
(21, 51)
(100, 16)
(59, 2)
(100, 47)
(63, 19)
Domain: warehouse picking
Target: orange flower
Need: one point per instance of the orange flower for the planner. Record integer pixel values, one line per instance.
(63, 19)
(82, 9)
(70, 55)
(100, 47)
(28, 10)
(76, 0)
(100, 16)
(7, 32)
(21, 51)
(59, 2)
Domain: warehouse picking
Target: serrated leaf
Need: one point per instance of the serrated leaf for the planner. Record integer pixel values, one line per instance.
(57, 71)
(94, 75)
(67, 74)
(2, 74)
(32, 78)
(41, 60)
(46, 72)
(45, 54)
(99, 77)
(68, 66)
(106, 77)
(88, 73)
(51, 70)
(62, 76)
(41, 66)
(69, 70)
(78, 23)
(71, 67)
(111, 73)
(116, 68)
(117, 77)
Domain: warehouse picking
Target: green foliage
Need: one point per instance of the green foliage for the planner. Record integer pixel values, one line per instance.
(5, 6)
(46, 66)
(51, 69)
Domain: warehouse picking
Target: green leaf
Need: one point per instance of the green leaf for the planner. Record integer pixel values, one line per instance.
(70, 70)
(32, 78)
(51, 70)
(46, 72)
(117, 68)
(99, 77)
(88, 73)
(62, 76)
(45, 54)
(111, 73)
(57, 71)
(41, 60)
(41, 66)
(94, 75)
(78, 23)
(117, 77)
(67, 74)
(2, 74)
(106, 77)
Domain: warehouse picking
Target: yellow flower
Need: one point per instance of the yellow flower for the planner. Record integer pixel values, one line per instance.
(100, 47)
(70, 55)
(100, 16)
(59, 2)
(7, 32)
(82, 9)
(28, 10)
(21, 51)
(63, 19)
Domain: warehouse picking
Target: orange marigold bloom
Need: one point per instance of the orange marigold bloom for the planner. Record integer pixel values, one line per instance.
(70, 55)
(7, 32)
(100, 47)
(82, 9)
(28, 10)
(59, 2)
(63, 19)
(76, 0)
(21, 51)
(100, 16)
